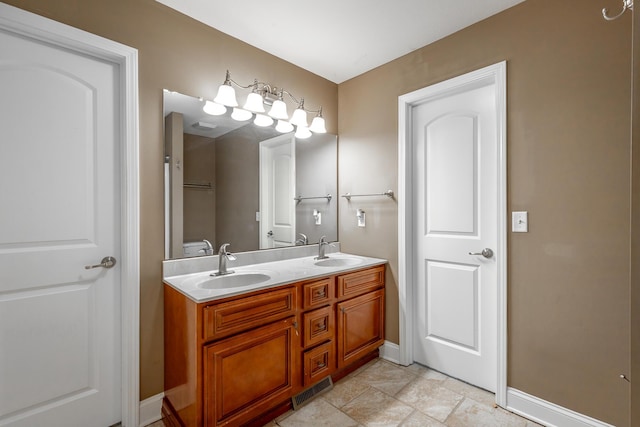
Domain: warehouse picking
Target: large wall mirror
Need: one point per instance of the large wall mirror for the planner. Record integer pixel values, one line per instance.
(234, 182)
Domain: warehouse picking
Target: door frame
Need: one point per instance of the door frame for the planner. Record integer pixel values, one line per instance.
(496, 74)
(36, 27)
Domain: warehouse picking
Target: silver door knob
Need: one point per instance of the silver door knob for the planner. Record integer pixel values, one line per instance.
(486, 252)
(107, 262)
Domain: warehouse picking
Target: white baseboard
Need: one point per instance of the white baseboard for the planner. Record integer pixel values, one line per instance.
(151, 410)
(547, 413)
(391, 352)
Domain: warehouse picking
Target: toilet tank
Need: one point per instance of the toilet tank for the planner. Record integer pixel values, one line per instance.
(191, 249)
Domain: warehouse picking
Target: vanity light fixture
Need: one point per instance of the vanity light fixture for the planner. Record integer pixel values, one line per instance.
(262, 93)
(284, 127)
(226, 94)
(299, 117)
(214, 109)
(263, 120)
(626, 5)
(241, 115)
(302, 132)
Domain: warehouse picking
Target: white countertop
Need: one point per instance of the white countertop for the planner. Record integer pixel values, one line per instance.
(276, 273)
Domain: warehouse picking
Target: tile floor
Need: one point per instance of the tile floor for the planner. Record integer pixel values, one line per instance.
(384, 394)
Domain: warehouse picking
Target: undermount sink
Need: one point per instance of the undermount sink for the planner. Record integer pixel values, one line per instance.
(338, 262)
(233, 280)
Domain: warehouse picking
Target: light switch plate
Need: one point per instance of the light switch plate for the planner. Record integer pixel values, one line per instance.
(520, 222)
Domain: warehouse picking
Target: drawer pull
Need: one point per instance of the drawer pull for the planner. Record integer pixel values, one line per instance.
(320, 365)
(321, 294)
(321, 326)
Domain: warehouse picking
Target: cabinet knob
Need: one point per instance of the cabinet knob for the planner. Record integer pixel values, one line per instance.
(320, 364)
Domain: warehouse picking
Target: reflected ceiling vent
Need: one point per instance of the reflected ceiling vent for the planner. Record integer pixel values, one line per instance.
(204, 126)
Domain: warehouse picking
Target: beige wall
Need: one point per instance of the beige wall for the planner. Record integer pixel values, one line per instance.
(199, 204)
(177, 53)
(568, 139)
(568, 166)
(238, 190)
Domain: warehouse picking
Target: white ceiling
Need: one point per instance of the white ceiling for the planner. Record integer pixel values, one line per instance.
(339, 39)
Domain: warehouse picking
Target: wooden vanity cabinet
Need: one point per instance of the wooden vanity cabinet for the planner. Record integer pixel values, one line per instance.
(231, 361)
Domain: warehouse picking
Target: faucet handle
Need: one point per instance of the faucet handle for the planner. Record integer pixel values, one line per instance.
(223, 248)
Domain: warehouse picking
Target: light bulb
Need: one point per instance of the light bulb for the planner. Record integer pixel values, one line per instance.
(214, 108)
(241, 115)
(226, 96)
(262, 120)
(303, 132)
(279, 110)
(299, 118)
(254, 103)
(284, 127)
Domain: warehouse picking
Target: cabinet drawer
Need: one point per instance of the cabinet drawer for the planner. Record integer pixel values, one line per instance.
(317, 293)
(227, 318)
(360, 282)
(319, 362)
(318, 326)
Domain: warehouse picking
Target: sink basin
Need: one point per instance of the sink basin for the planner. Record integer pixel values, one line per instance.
(338, 262)
(233, 280)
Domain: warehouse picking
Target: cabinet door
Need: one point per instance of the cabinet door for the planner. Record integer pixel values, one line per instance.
(249, 373)
(360, 326)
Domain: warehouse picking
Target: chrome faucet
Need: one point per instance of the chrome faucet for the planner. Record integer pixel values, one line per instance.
(321, 244)
(223, 256)
(302, 240)
(208, 250)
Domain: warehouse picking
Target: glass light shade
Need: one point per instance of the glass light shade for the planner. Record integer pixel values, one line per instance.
(214, 109)
(317, 125)
(279, 110)
(241, 115)
(262, 120)
(284, 127)
(303, 132)
(299, 118)
(254, 103)
(226, 96)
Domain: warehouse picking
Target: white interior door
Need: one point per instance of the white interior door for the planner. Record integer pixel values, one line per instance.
(277, 190)
(455, 191)
(60, 357)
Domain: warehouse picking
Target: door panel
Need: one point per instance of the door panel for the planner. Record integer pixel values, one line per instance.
(59, 323)
(277, 190)
(455, 194)
(451, 158)
(452, 304)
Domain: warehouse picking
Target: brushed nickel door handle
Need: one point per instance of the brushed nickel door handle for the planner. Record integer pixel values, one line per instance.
(107, 262)
(486, 252)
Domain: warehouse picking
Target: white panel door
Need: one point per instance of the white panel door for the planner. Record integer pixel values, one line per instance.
(277, 190)
(60, 358)
(455, 194)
